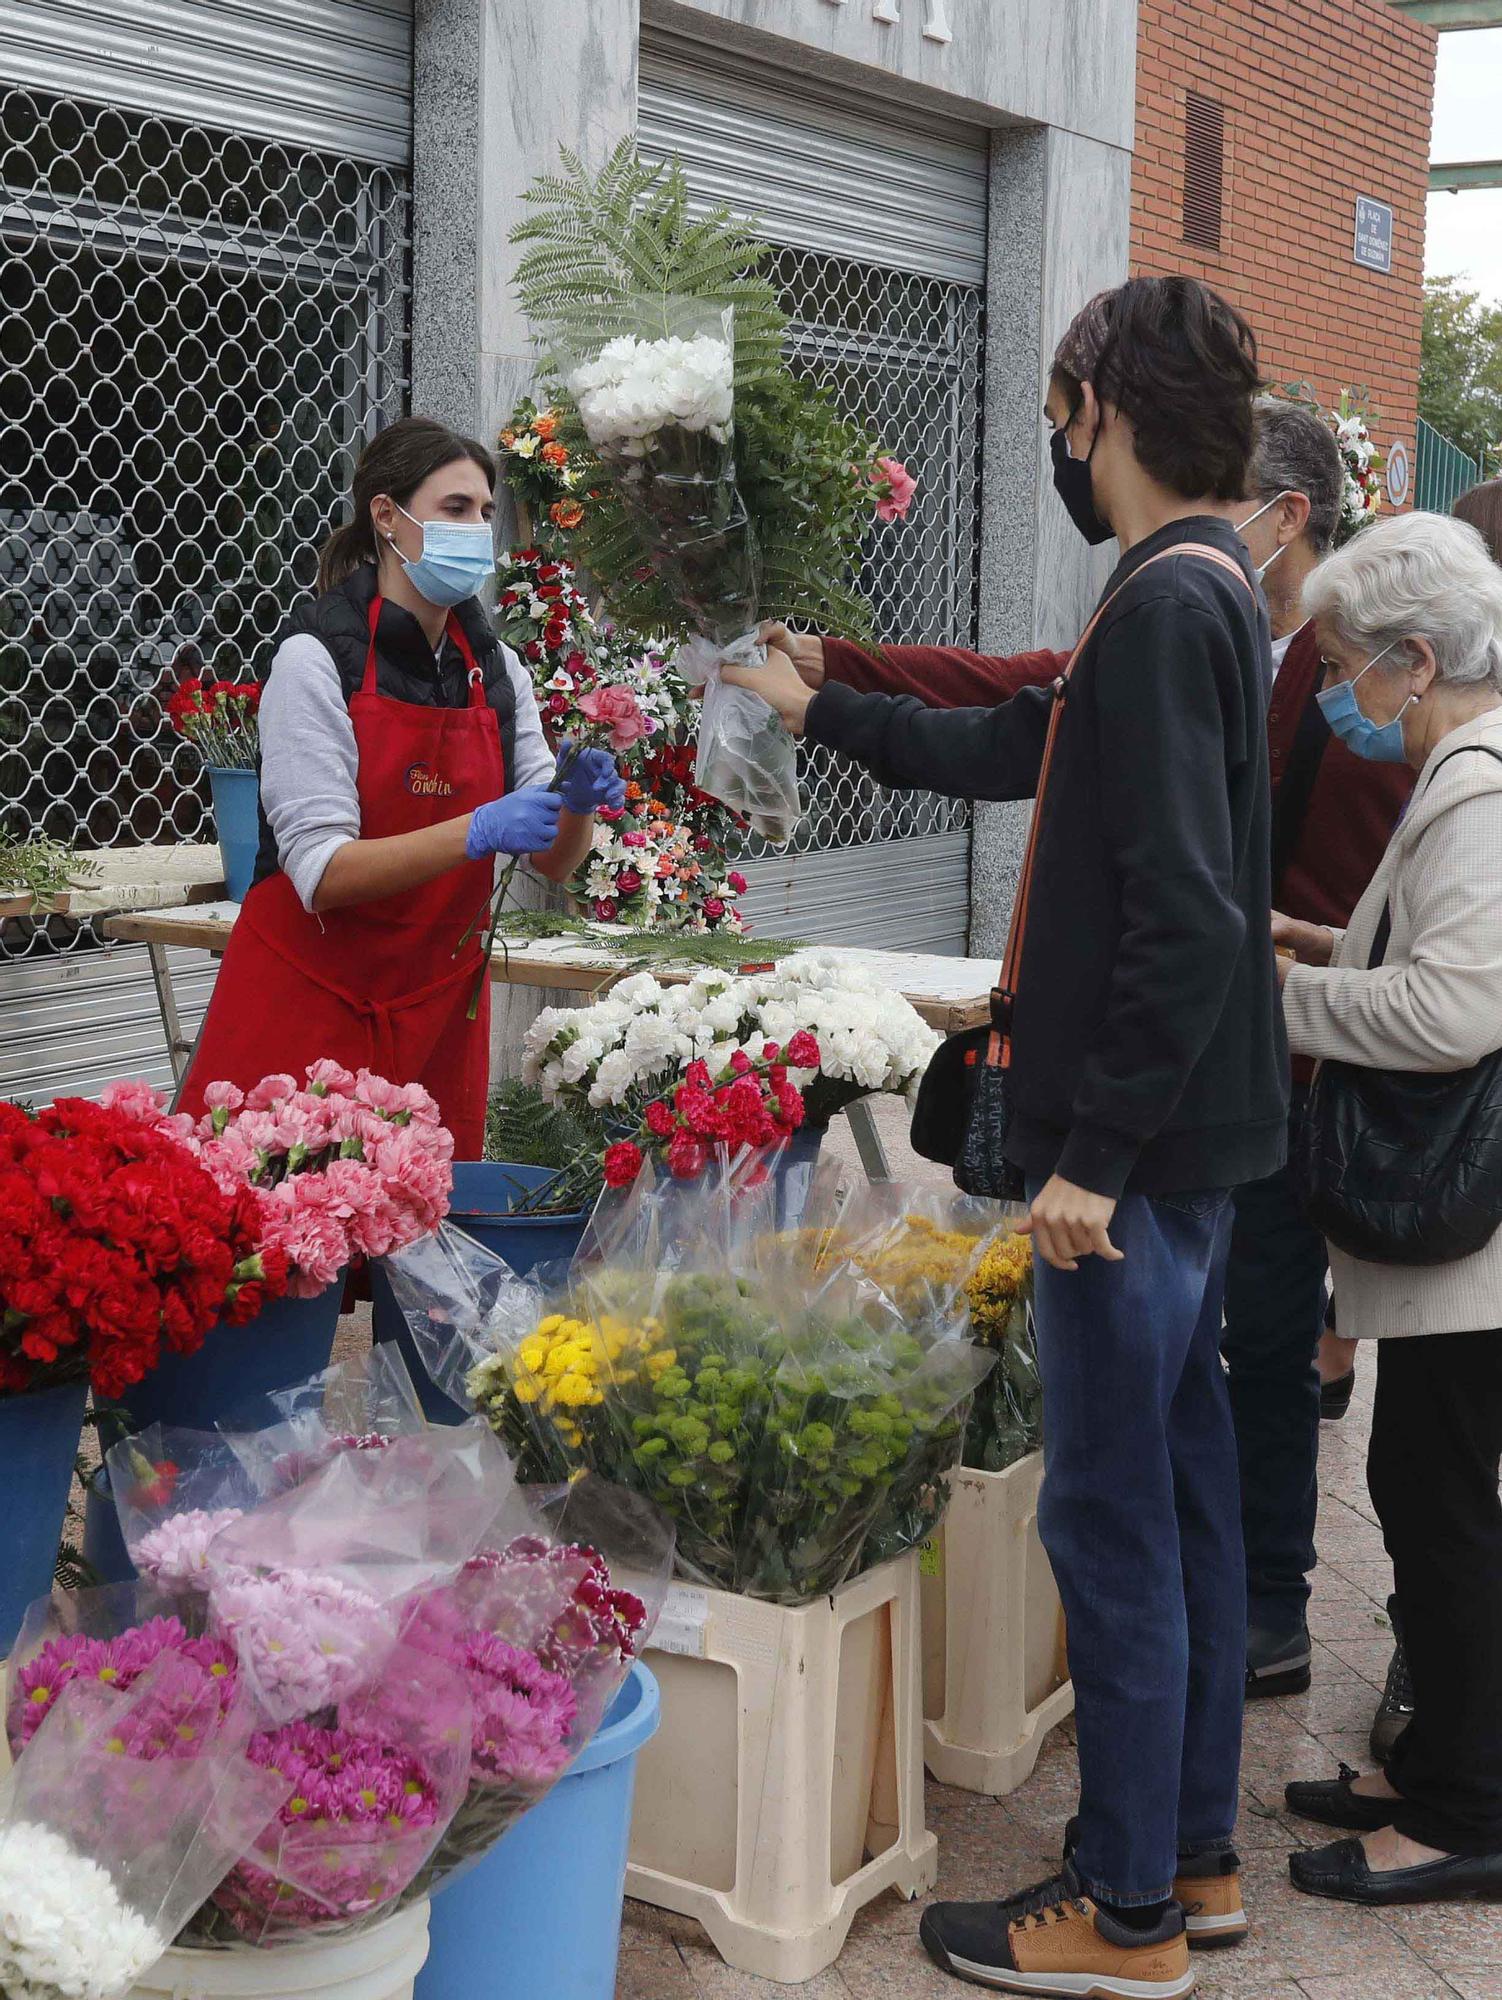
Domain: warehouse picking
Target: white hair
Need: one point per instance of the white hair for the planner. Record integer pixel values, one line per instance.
(1416, 576)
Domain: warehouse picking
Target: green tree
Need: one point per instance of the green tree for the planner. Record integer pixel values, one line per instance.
(1460, 377)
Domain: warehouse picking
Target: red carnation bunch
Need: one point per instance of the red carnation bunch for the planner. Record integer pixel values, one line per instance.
(116, 1243)
(751, 1105)
(220, 720)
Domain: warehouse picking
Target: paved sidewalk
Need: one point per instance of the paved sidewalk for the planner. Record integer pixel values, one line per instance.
(1299, 1947)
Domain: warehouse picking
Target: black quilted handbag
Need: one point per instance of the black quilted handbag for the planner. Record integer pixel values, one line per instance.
(1400, 1166)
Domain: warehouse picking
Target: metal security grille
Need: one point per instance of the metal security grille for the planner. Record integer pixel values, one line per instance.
(196, 330)
(903, 354)
(1442, 471)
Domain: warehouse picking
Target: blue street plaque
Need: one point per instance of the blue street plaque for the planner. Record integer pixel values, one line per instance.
(1373, 233)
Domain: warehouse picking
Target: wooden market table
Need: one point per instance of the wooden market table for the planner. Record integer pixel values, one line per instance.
(951, 994)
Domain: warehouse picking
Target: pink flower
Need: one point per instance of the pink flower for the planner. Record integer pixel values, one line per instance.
(175, 1555)
(329, 1079)
(133, 1099)
(223, 1097)
(893, 505)
(270, 1091)
(306, 1640)
(628, 881)
(379, 1094)
(713, 907)
(803, 1051)
(634, 839)
(618, 709)
(737, 881)
(605, 910)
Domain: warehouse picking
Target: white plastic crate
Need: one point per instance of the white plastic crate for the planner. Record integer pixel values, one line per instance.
(994, 1677)
(784, 1790)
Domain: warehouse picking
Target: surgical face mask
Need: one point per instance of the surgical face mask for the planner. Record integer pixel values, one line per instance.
(1378, 742)
(1076, 488)
(1242, 526)
(457, 557)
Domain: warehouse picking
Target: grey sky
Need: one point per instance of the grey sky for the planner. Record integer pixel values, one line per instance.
(1464, 236)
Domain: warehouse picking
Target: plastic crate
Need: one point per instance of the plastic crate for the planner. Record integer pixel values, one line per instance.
(995, 1679)
(784, 1790)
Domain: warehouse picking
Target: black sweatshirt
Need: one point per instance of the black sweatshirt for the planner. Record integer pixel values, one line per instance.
(1148, 1046)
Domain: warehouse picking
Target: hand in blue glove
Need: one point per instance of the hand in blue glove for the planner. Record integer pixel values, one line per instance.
(524, 822)
(590, 780)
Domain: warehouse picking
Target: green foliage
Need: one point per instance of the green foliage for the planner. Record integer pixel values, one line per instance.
(619, 252)
(1460, 375)
(38, 867)
(522, 1129)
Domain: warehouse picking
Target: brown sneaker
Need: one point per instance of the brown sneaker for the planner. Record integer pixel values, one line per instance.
(1055, 1943)
(1208, 1887)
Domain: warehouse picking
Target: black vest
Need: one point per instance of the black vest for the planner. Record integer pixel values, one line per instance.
(405, 667)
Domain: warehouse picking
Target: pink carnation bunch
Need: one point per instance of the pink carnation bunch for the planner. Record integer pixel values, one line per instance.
(346, 1164)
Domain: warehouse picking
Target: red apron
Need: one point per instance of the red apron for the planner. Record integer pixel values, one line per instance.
(376, 984)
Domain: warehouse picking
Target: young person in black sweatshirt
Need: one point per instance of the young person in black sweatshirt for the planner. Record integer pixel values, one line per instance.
(1149, 1077)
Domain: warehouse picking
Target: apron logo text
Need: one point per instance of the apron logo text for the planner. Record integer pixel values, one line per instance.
(426, 784)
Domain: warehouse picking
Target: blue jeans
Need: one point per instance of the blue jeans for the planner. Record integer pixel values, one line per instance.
(1275, 1313)
(1141, 1519)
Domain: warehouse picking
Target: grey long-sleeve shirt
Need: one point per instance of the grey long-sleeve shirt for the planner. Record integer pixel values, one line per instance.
(310, 765)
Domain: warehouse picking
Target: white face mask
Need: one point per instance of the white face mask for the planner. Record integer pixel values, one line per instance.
(1242, 526)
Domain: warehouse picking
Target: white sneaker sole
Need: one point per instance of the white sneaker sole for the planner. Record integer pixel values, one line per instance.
(1071, 1985)
(1227, 1928)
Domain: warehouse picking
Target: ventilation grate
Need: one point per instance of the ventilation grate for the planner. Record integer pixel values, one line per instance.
(1204, 170)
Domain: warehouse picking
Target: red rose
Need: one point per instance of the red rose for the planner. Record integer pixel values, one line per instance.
(628, 881)
(605, 911)
(623, 1162)
(737, 881)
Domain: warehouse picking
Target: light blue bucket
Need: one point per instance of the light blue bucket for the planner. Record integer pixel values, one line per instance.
(540, 1917)
(237, 817)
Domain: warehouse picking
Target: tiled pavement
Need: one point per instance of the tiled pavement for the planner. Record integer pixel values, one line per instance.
(1299, 1947)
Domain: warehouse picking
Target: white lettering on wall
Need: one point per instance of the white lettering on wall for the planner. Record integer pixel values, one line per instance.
(936, 26)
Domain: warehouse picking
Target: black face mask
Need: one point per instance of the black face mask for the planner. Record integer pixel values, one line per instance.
(1076, 488)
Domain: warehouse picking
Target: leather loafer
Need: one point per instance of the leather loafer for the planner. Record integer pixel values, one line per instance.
(1331, 1802)
(1335, 1397)
(1340, 1871)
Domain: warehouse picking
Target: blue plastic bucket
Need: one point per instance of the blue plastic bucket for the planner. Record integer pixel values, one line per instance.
(38, 1445)
(540, 1917)
(237, 817)
(291, 1340)
(484, 1191)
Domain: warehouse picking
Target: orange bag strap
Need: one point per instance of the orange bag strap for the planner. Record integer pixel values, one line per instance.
(1004, 994)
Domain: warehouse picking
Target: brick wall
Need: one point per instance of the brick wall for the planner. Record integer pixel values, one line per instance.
(1324, 100)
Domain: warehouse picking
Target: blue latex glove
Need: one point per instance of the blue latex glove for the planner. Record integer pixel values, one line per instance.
(524, 822)
(590, 780)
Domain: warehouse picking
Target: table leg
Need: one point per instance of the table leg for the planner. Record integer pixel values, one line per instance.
(178, 1050)
(868, 1144)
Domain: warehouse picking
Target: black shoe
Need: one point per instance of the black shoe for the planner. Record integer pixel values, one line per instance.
(1395, 1710)
(1331, 1802)
(1340, 1871)
(1277, 1662)
(1335, 1397)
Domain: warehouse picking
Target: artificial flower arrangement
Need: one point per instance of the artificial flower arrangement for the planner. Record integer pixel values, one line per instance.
(635, 1043)
(353, 1661)
(117, 1244)
(1362, 462)
(723, 485)
(220, 719)
(796, 1422)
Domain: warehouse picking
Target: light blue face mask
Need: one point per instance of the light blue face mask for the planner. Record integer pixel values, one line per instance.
(1378, 742)
(457, 557)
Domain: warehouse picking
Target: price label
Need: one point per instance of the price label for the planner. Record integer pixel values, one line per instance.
(684, 1624)
(931, 1557)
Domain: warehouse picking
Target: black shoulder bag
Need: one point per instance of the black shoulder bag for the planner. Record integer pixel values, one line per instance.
(1403, 1166)
(964, 1101)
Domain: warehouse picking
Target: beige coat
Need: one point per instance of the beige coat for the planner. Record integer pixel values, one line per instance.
(1435, 1003)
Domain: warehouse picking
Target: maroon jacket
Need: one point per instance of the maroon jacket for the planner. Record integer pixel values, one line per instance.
(1333, 812)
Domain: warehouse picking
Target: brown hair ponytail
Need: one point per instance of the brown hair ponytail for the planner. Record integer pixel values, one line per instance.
(396, 461)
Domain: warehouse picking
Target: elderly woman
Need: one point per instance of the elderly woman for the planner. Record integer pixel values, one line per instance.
(1409, 619)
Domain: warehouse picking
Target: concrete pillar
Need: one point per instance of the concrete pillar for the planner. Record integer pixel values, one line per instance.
(1059, 228)
(499, 87)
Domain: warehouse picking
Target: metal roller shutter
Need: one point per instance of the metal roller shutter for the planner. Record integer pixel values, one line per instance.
(880, 229)
(331, 75)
